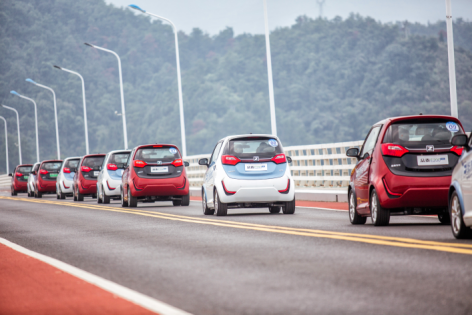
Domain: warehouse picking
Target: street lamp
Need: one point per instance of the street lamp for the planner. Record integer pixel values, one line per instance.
(181, 106)
(125, 137)
(36, 120)
(270, 73)
(6, 142)
(85, 109)
(18, 125)
(451, 61)
(55, 114)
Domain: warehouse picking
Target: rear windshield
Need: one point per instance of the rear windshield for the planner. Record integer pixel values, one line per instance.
(24, 169)
(72, 163)
(93, 162)
(51, 166)
(155, 155)
(247, 148)
(36, 167)
(419, 134)
(119, 159)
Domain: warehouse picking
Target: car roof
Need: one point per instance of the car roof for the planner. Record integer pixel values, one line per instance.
(24, 165)
(249, 135)
(48, 161)
(400, 118)
(115, 151)
(92, 155)
(72, 158)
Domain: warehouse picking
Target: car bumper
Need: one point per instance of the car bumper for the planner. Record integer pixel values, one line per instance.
(266, 190)
(467, 218)
(46, 186)
(66, 186)
(20, 186)
(143, 187)
(108, 186)
(87, 187)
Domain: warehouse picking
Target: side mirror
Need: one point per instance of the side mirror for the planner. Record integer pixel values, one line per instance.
(353, 152)
(186, 164)
(204, 162)
(459, 140)
(10, 174)
(289, 160)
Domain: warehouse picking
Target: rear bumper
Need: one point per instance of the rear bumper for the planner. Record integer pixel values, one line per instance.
(20, 186)
(46, 186)
(65, 183)
(467, 218)
(266, 190)
(143, 187)
(111, 183)
(87, 187)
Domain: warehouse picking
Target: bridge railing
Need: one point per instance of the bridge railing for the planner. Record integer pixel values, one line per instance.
(313, 166)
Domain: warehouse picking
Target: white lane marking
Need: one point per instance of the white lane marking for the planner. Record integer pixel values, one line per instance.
(121, 291)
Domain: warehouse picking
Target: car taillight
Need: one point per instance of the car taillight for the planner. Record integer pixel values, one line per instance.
(85, 169)
(139, 163)
(227, 191)
(457, 150)
(280, 158)
(390, 149)
(18, 174)
(44, 172)
(287, 188)
(66, 170)
(177, 162)
(109, 186)
(112, 167)
(64, 184)
(230, 160)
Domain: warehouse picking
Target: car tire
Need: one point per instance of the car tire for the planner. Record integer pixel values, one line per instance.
(74, 194)
(379, 215)
(124, 202)
(220, 207)
(57, 193)
(355, 218)
(94, 196)
(99, 200)
(80, 197)
(186, 200)
(132, 201)
(289, 207)
(205, 208)
(62, 195)
(274, 209)
(13, 191)
(444, 218)
(459, 229)
(105, 198)
(176, 202)
(28, 191)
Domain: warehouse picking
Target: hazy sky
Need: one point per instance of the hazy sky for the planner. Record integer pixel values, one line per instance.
(247, 15)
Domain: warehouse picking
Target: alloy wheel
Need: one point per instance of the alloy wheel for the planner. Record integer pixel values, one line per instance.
(374, 208)
(352, 206)
(456, 215)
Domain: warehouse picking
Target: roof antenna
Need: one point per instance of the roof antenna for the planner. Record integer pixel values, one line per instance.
(420, 114)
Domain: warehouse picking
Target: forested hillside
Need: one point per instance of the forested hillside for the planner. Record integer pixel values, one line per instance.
(333, 78)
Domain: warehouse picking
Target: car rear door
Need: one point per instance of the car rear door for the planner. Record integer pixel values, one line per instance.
(466, 179)
(362, 169)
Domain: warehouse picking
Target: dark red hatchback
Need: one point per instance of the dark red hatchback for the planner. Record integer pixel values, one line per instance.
(404, 167)
(19, 179)
(46, 177)
(85, 178)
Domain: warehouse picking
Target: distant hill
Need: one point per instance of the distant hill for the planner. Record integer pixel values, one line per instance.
(333, 78)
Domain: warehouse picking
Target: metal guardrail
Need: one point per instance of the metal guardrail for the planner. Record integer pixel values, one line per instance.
(5, 180)
(313, 166)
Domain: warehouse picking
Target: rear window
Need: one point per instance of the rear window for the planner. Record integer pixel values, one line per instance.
(247, 148)
(51, 166)
(72, 163)
(155, 155)
(36, 167)
(24, 169)
(93, 162)
(420, 133)
(119, 159)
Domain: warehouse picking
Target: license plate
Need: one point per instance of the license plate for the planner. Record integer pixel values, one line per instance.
(96, 173)
(26, 176)
(427, 160)
(256, 167)
(52, 175)
(159, 169)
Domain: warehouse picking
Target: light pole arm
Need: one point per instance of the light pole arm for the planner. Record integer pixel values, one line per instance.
(18, 126)
(6, 142)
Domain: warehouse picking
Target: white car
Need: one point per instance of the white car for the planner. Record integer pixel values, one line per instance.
(110, 176)
(460, 190)
(65, 177)
(248, 171)
(32, 179)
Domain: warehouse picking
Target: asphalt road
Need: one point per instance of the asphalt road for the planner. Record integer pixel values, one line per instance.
(253, 262)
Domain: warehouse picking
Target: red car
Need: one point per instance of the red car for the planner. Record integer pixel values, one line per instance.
(19, 179)
(155, 173)
(46, 178)
(404, 167)
(85, 178)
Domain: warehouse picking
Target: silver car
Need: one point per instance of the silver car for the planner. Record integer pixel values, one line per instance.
(65, 177)
(32, 179)
(110, 176)
(460, 190)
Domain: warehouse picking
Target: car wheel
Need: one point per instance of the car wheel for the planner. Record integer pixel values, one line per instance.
(74, 194)
(459, 229)
(355, 218)
(124, 202)
(80, 197)
(205, 208)
(105, 198)
(379, 215)
(176, 202)
(185, 201)
(28, 191)
(132, 201)
(220, 208)
(444, 218)
(57, 192)
(289, 207)
(13, 191)
(273, 209)
(99, 200)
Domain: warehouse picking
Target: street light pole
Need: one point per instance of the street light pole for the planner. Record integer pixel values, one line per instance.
(55, 114)
(6, 142)
(451, 61)
(179, 85)
(36, 120)
(85, 109)
(270, 73)
(125, 137)
(18, 125)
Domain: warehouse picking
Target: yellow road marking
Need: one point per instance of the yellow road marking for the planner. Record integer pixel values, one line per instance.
(364, 238)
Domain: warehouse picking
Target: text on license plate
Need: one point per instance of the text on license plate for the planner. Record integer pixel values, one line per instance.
(96, 173)
(426, 160)
(52, 175)
(256, 167)
(159, 169)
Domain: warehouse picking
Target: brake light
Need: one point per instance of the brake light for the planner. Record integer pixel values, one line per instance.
(280, 158)
(287, 188)
(157, 146)
(457, 150)
(230, 160)
(112, 167)
(139, 163)
(226, 191)
(390, 149)
(66, 170)
(177, 162)
(44, 172)
(18, 174)
(85, 169)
